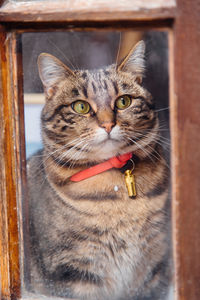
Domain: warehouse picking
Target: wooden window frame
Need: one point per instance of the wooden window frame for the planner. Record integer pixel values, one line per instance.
(182, 21)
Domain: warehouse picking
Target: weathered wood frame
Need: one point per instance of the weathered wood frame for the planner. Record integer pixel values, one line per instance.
(182, 21)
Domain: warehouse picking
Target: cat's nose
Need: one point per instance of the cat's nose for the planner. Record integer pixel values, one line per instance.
(108, 126)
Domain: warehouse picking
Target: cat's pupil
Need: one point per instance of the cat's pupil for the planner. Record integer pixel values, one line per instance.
(123, 101)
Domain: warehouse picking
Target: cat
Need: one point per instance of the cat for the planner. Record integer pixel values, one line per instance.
(89, 239)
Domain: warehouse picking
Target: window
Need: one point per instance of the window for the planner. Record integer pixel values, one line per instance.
(17, 19)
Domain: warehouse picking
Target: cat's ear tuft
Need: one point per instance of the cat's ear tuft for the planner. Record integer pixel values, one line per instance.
(134, 62)
(51, 71)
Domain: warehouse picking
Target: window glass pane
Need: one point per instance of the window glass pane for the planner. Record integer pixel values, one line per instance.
(96, 97)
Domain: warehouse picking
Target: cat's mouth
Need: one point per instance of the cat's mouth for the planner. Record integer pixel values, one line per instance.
(111, 139)
(103, 137)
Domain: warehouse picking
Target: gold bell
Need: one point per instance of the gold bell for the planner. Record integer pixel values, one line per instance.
(130, 182)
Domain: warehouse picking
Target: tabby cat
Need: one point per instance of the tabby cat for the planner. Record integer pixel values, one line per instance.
(89, 239)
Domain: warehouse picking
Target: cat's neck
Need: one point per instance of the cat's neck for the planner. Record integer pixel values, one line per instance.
(59, 171)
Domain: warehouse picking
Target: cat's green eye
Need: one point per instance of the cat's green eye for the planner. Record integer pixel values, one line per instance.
(123, 102)
(81, 107)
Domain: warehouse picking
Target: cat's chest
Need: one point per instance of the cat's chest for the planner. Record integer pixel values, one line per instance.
(117, 257)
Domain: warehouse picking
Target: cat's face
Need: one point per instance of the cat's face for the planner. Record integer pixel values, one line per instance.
(91, 116)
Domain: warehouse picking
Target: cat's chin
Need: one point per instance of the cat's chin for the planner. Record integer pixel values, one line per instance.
(108, 143)
(107, 149)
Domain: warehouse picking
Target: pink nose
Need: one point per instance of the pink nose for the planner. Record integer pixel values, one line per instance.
(108, 126)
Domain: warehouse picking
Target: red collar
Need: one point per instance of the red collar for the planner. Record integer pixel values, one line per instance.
(114, 162)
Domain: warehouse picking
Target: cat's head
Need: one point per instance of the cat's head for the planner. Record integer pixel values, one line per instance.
(90, 116)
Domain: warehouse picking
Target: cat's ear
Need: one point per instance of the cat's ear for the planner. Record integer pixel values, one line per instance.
(134, 61)
(51, 71)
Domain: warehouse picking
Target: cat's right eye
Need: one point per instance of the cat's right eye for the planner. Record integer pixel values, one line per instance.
(81, 107)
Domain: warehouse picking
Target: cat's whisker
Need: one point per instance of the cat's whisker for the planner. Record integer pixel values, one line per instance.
(72, 148)
(118, 51)
(163, 126)
(164, 130)
(63, 156)
(77, 155)
(163, 142)
(67, 153)
(165, 108)
(154, 133)
(144, 145)
(67, 145)
(158, 137)
(157, 156)
(140, 147)
(49, 155)
(61, 147)
(62, 53)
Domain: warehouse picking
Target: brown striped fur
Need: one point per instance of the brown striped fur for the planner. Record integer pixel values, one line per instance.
(89, 241)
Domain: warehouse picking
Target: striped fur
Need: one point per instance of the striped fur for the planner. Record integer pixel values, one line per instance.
(89, 241)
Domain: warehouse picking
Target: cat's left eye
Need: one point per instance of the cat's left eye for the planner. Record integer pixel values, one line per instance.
(81, 107)
(123, 102)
